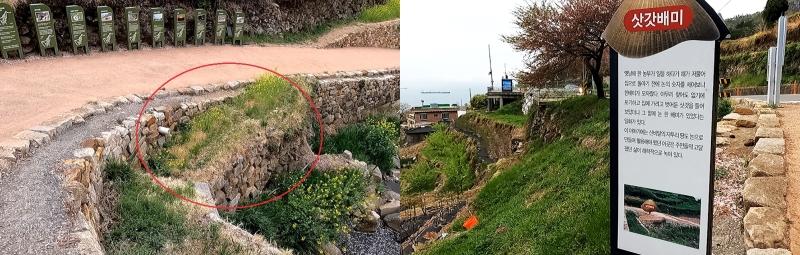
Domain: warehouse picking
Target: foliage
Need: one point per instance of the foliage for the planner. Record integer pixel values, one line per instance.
(560, 36)
(150, 219)
(564, 184)
(508, 114)
(388, 11)
(724, 108)
(773, 11)
(304, 35)
(669, 203)
(683, 235)
(446, 154)
(753, 71)
(373, 142)
(478, 102)
(313, 214)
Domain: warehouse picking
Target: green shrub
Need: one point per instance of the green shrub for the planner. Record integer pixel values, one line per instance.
(313, 214)
(449, 153)
(421, 177)
(514, 108)
(723, 108)
(388, 11)
(478, 102)
(374, 143)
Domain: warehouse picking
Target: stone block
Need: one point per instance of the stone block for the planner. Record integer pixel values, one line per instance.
(768, 252)
(765, 192)
(766, 165)
(744, 111)
(768, 132)
(391, 207)
(725, 129)
(748, 121)
(48, 130)
(36, 139)
(16, 147)
(765, 227)
(768, 120)
(769, 145)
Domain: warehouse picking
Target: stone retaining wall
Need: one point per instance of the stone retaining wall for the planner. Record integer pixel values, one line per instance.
(764, 192)
(336, 94)
(381, 35)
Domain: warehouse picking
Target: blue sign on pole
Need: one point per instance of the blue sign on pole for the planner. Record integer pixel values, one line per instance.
(508, 85)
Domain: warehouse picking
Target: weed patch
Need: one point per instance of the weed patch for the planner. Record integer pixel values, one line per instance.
(374, 141)
(388, 11)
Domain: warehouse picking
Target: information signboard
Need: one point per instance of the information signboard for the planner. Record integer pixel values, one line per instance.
(157, 26)
(220, 25)
(238, 27)
(179, 21)
(77, 28)
(105, 21)
(9, 35)
(199, 26)
(508, 85)
(44, 28)
(132, 26)
(663, 108)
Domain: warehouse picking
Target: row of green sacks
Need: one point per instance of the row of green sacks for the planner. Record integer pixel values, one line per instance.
(44, 30)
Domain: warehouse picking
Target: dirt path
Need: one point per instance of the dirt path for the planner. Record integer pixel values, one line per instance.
(670, 218)
(35, 91)
(791, 131)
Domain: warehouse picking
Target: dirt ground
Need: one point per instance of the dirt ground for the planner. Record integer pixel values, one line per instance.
(791, 131)
(37, 90)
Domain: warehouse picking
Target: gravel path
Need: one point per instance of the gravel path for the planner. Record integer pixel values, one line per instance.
(789, 115)
(33, 219)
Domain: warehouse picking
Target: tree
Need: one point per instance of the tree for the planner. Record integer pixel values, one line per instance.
(774, 10)
(478, 102)
(559, 37)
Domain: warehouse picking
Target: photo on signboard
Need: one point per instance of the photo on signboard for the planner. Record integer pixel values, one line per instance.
(106, 16)
(42, 16)
(663, 215)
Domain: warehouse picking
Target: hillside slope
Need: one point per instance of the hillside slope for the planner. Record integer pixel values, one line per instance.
(555, 200)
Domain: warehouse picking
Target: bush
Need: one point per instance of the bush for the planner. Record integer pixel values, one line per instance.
(723, 108)
(421, 177)
(313, 214)
(446, 154)
(773, 11)
(478, 102)
(388, 11)
(373, 142)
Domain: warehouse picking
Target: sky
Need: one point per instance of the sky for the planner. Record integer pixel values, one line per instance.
(444, 45)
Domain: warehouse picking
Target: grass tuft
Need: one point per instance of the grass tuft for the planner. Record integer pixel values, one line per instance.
(388, 11)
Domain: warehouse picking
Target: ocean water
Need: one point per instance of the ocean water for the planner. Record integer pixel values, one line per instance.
(411, 93)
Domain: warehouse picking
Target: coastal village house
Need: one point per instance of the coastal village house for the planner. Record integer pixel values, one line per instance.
(421, 119)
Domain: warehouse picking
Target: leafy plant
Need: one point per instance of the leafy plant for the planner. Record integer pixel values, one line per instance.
(301, 220)
(388, 11)
(723, 108)
(478, 102)
(373, 142)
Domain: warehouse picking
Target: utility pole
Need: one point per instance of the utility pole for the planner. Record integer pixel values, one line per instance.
(491, 77)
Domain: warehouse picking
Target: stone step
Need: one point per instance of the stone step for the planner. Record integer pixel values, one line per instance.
(765, 191)
(765, 227)
(769, 146)
(766, 165)
(768, 252)
(768, 120)
(768, 132)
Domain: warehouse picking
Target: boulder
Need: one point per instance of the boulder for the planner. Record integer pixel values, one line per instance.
(389, 208)
(390, 195)
(768, 252)
(765, 227)
(769, 145)
(394, 221)
(744, 111)
(725, 129)
(723, 141)
(768, 120)
(732, 116)
(36, 139)
(330, 249)
(747, 121)
(765, 191)
(85, 153)
(766, 165)
(368, 223)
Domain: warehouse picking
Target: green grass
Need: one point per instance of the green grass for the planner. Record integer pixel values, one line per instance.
(305, 35)
(446, 154)
(683, 235)
(555, 201)
(388, 11)
(150, 219)
(310, 216)
(508, 114)
(271, 100)
(374, 141)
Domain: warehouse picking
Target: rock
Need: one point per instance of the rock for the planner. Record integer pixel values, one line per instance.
(768, 132)
(765, 191)
(769, 145)
(766, 165)
(389, 208)
(768, 120)
(651, 219)
(394, 221)
(368, 223)
(48, 130)
(133, 98)
(723, 141)
(750, 142)
(348, 154)
(396, 161)
(163, 131)
(768, 252)
(197, 90)
(85, 153)
(375, 174)
(765, 227)
(16, 147)
(390, 195)
(732, 116)
(330, 249)
(746, 121)
(725, 129)
(744, 111)
(36, 139)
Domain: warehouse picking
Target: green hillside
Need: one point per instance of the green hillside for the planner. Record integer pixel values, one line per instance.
(555, 200)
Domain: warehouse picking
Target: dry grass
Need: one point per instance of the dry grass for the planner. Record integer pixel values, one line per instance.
(762, 40)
